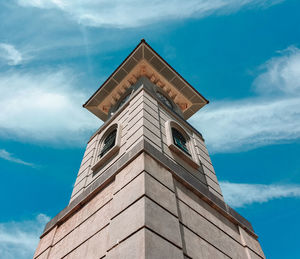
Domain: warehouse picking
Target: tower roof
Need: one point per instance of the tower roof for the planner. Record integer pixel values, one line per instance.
(144, 61)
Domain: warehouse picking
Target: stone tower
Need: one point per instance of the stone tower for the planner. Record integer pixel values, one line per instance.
(146, 187)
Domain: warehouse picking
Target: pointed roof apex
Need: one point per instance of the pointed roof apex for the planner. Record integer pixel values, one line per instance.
(145, 61)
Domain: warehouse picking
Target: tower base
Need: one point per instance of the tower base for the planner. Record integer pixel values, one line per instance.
(145, 210)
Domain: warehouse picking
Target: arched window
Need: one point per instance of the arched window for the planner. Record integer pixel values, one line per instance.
(165, 100)
(179, 140)
(108, 142)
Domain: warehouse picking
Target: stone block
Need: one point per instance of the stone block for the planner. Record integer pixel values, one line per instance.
(45, 242)
(215, 193)
(159, 172)
(214, 185)
(151, 136)
(149, 104)
(94, 223)
(65, 245)
(206, 211)
(252, 255)
(129, 172)
(43, 255)
(96, 246)
(88, 155)
(79, 186)
(210, 174)
(68, 226)
(132, 139)
(206, 163)
(126, 223)
(209, 232)
(197, 248)
(152, 126)
(131, 248)
(102, 198)
(251, 242)
(78, 253)
(158, 248)
(128, 194)
(160, 194)
(162, 222)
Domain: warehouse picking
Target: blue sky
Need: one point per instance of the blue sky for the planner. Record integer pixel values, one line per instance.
(244, 56)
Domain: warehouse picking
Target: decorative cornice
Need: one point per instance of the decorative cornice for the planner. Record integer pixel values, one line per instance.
(144, 61)
(143, 68)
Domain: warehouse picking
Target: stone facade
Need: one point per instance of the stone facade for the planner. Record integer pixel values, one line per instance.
(144, 198)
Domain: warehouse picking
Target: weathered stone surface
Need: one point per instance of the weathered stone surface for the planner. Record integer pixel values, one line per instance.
(206, 230)
(251, 242)
(158, 248)
(96, 246)
(207, 211)
(129, 172)
(160, 194)
(197, 248)
(131, 248)
(159, 172)
(43, 255)
(126, 223)
(162, 222)
(128, 194)
(45, 243)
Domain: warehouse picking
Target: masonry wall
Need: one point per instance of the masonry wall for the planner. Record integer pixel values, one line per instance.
(144, 118)
(146, 212)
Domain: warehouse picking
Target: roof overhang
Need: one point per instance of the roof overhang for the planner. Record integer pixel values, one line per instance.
(144, 61)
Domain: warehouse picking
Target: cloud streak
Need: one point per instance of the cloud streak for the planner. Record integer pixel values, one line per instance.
(10, 54)
(242, 194)
(270, 118)
(281, 74)
(136, 13)
(10, 157)
(20, 239)
(44, 106)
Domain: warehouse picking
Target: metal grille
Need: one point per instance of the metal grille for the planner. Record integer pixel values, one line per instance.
(179, 140)
(109, 142)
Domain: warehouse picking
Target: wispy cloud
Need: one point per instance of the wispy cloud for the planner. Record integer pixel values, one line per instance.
(10, 157)
(10, 54)
(271, 117)
(44, 106)
(281, 74)
(20, 239)
(241, 194)
(119, 13)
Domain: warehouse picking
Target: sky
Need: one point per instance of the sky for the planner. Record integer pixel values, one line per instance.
(242, 55)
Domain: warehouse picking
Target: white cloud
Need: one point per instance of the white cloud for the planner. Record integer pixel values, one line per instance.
(281, 74)
(10, 54)
(241, 194)
(262, 120)
(44, 107)
(241, 125)
(10, 157)
(136, 13)
(20, 239)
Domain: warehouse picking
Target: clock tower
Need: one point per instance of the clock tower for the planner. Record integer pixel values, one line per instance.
(146, 187)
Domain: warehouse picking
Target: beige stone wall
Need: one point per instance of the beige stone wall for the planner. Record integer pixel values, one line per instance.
(146, 213)
(145, 118)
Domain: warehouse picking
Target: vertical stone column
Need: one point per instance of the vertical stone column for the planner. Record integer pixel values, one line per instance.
(144, 220)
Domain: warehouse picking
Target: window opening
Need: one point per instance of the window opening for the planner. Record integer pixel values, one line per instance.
(109, 143)
(179, 140)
